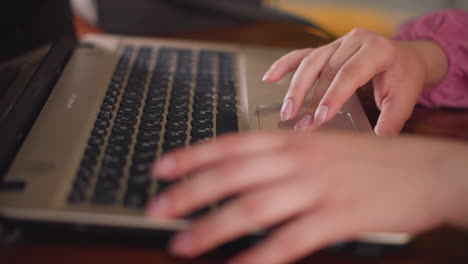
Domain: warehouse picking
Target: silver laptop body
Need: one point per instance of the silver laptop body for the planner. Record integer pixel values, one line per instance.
(52, 155)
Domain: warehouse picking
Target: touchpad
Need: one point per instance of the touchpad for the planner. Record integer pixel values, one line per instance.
(269, 119)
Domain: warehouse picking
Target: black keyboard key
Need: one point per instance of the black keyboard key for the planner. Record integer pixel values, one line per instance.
(202, 112)
(140, 178)
(113, 161)
(227, 106)
(99, 132)
(202, 132)
(175, 134)
(144, 156)
(129, 110)
(151, 124)
(123, 129)
(129, 101)
(84, 172)
(172, 144)
(135, 199)
(104, 197)
(177, 124)
(120, 138)
(226, 122)
(105, 115)
(126, 119)
(202, 121)
(76, 196)
(148, 133)
(153, 115)
(96, 141)
(110, 174)
(179, 107)
(208, 106)
(102, 123)
(155, 107)
(146, 145)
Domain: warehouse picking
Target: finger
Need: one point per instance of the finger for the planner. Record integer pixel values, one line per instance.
(285, 65)
(300, 238)
(338, 59)
(394, 114)
(220, 182)
(357, 71)
(184, 161)
(331, 68)
(250, 213)
(304, 79)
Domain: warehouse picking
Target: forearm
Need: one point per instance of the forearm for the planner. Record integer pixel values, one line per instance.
(457, 177)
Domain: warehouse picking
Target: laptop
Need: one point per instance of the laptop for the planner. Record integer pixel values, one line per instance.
(81, 122)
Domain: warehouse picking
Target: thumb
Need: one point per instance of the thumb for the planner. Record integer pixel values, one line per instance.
(393, 116)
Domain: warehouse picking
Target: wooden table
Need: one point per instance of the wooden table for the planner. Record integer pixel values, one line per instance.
(437, 247)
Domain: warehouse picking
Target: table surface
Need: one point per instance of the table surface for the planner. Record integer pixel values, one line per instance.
(439, 246)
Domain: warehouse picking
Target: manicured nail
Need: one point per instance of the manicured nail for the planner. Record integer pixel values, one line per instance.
(287, 109)
(267, 75)
(304, 122)
(182, 244)
(166, 164)
(160, 207)
(321, 115)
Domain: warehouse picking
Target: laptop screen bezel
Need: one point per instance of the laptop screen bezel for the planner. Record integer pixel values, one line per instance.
(15, 126)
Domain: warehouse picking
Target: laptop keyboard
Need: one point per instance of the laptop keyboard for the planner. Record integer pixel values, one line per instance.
(187, 97)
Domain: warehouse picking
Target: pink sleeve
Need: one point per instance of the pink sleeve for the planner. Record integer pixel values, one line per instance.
(449, 28)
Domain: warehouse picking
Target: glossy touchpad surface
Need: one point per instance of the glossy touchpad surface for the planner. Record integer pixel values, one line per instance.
(269, 119)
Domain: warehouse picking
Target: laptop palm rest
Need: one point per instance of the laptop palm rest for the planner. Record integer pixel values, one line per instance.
(269, 119)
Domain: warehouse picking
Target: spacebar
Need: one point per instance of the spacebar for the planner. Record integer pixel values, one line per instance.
(226, 122)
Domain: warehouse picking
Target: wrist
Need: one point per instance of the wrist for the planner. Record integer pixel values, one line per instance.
(432, 58)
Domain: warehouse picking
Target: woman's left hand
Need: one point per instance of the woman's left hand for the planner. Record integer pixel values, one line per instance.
(325, 188)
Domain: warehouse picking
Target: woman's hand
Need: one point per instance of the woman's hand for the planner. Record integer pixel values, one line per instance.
(399, 70)
(323, 188)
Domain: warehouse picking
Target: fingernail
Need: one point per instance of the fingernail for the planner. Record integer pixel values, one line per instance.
(166, 164)
(286, 110)
(160, 207)
(321, 115)
(267, 75)
(304, 122)
(182, 244)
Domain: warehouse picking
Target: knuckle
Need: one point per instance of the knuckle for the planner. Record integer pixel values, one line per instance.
(309, 59)
(347, 73)
(380, 41)
(329, 71)
(384, 44)
(358, 32)
(299, 51)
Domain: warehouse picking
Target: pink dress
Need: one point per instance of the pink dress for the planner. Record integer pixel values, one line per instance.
(449, 28)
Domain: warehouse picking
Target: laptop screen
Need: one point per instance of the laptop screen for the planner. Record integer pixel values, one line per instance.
(36, 38)
(28, 24)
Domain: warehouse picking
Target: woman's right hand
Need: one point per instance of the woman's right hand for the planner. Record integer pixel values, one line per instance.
(399, 70)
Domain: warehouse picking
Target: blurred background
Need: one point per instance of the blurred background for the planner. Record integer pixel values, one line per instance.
(336, 16)
(384, 16)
